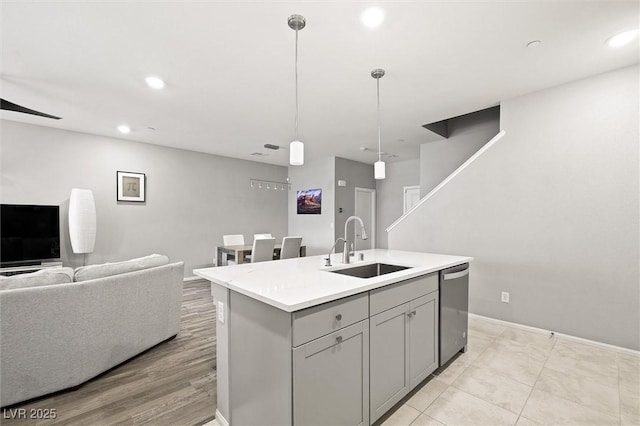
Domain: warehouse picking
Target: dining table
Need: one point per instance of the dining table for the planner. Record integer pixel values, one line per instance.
(240, 251)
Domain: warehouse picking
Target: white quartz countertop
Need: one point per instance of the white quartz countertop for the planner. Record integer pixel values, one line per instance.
(294, 284)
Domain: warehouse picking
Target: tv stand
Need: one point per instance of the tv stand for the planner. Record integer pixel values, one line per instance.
(25, 269)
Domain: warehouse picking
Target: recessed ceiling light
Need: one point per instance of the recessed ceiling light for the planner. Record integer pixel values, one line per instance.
(123, 128)
(534, 43)
(154, 82)
(623, 38)
(372, 17)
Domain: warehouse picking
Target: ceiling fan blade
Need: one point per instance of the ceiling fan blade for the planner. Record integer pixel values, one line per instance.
(10, 106)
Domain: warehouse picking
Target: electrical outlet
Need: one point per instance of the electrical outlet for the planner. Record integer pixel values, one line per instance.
(221, 312)
(505, 297)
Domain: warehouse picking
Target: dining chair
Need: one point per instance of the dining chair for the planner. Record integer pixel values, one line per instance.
(290, 247)
(232, 240)
(262, 249)
(261, 236)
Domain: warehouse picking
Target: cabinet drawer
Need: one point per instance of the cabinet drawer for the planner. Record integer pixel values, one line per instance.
(396, 294)
(318, 321)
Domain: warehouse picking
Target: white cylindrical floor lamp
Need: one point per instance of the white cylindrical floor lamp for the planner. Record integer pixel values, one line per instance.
(82, 221)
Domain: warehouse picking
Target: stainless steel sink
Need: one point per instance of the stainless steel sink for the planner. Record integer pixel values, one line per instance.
(371, 270)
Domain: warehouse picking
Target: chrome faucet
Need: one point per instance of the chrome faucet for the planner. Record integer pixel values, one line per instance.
(345, 251)
(328, 259)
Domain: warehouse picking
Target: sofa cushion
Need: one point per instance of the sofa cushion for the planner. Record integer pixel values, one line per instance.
(92, 272)
(47, 276)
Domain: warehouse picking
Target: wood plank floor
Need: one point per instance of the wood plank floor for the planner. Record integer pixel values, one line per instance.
(173, 383)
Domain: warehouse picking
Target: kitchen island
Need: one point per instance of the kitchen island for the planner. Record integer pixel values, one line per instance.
(298, 343)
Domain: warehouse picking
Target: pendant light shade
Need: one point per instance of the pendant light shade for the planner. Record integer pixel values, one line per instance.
(379, 166)
(82, 221)
(296, 148)
(296, 153)
(379, 170)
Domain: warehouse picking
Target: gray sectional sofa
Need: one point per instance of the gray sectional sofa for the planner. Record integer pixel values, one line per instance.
(56, 333)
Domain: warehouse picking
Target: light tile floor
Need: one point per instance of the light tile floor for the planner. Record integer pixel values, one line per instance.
(509, 376)
(514, 377)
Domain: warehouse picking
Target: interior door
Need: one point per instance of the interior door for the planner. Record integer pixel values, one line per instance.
(411, 197)
(365, 207)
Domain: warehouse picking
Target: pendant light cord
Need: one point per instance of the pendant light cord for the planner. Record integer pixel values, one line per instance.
(296, 85)
(379, 151)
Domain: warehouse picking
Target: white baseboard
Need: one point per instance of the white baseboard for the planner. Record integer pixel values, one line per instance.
(220, 419)
(194, 278)
(559, 335)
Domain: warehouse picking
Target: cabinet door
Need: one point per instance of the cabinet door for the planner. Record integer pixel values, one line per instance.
(389, 359)
(331, 379)
(423, 337)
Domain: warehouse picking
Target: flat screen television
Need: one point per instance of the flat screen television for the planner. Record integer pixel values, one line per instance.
(29, 233)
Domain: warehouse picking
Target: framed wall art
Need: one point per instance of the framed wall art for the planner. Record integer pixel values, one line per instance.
(131, 186)
(310, 201)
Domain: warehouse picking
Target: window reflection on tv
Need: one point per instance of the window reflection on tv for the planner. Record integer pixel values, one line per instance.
(309, 201)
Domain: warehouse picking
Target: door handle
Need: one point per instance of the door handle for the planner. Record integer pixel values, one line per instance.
(455, 275)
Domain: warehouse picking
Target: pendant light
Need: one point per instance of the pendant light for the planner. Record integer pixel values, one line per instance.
(296, 148)
(378, 167)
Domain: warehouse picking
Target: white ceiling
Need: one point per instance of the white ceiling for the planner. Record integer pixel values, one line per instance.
(230, 76)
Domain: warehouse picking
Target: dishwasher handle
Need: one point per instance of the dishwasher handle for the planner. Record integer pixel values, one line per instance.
(454, 275)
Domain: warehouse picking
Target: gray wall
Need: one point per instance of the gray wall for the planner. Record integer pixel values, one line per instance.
(467, 134)
(192, 198)
(390, 192)
(550, 213)
(316, 230)
(357, 175)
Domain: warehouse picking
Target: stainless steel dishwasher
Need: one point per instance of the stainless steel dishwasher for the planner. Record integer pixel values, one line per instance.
(454, 310)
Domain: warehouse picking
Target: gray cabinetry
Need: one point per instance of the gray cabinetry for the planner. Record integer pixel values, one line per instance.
(345, 362)
(311, 323)
(331, 379)
(389, 358)
(403, 340)
(423, 337)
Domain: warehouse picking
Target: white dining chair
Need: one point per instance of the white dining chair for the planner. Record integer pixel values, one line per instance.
(232, 240)
(262, 249)
(261, 236)
(290, 247)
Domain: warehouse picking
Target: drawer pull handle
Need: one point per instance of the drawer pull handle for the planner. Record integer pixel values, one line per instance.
(339, 339)
(412, 313)
(339, 317)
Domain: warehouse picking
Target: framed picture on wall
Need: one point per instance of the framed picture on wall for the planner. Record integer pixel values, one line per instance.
(131, 186)
(310, 201)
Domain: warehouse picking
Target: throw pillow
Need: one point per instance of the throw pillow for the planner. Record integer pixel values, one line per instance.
(47, 276)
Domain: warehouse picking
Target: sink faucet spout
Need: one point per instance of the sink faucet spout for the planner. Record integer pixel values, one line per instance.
(345, 251)
(328, 259)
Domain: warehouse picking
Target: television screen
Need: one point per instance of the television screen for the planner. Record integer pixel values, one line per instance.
(29, 233)
(310, 201)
